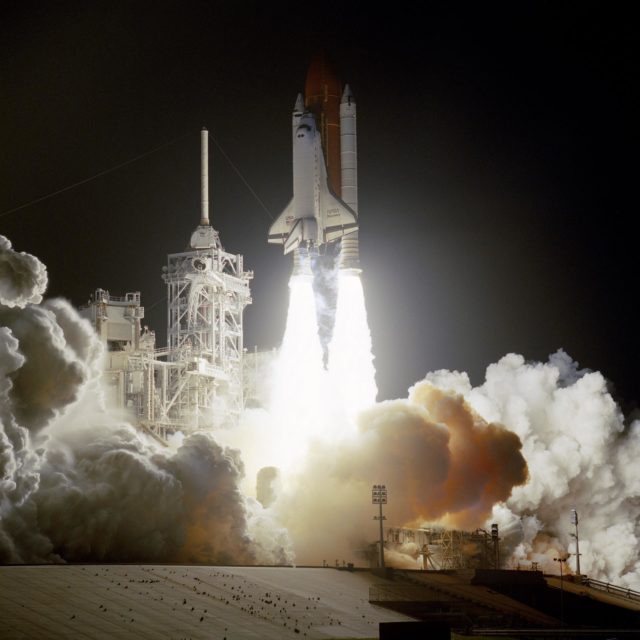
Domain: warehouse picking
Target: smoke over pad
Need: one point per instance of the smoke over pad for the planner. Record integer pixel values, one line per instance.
(580, 455)
(440, 458)
(437, 457)
(214, 507)
(80, 483)
(267, 483)
(486, 459)
(23, 278)
(60, 355)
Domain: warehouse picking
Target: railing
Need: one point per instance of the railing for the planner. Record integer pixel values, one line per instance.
(621, 592)
(102, 295)
(399, 593)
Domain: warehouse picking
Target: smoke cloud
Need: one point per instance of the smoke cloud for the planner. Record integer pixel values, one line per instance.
(78, 483)
(438, 458)
(580, 455)
(23, 278)
(523, 449)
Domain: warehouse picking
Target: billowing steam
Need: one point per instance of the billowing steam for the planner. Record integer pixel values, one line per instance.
(580, 455)
(438, 459)
(23, 278)
(457, 456)
(77, 482)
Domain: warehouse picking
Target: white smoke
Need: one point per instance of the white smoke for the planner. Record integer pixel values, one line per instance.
(438, 457)
(454, 458)
(23, 278)
(77, 481)
(580, 455)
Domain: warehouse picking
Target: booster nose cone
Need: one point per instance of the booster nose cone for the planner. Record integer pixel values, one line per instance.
(347, 95)
(298, 107)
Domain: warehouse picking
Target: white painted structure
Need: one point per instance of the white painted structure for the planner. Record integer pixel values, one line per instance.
(350, 252)
(196, 382)
(130, 351)
(315, 215)
(207, 291)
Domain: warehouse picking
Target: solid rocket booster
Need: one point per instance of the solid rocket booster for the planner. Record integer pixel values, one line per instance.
(324, 168)
(350, 251)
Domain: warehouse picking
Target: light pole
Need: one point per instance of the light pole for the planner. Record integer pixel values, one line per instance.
(574, 520)
(379, 497)
(495, 537)
(561, 560)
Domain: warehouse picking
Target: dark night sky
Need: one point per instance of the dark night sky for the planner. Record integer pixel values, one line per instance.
(495, 164)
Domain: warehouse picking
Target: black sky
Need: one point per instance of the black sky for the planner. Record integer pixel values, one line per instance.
(495, 163)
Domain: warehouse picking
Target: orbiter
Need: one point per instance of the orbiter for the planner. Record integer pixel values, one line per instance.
(324, 204)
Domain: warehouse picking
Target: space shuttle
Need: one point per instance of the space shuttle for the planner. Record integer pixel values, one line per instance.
(324, 204)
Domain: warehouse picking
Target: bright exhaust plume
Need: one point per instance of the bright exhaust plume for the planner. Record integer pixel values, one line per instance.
(75, 475)
(351, 369)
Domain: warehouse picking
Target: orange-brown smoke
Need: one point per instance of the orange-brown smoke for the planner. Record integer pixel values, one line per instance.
(486, 461)
(439, 460)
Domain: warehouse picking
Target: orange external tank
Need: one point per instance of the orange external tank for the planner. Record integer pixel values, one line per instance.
(322, 97)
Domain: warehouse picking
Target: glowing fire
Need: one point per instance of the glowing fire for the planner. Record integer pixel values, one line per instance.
(351, 367)
(298, 400)
(309, 403)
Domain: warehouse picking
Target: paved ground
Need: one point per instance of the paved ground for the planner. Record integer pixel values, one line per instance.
(483, 596)
(618, 600)
(179, 603)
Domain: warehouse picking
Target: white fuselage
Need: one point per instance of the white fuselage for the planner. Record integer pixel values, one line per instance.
(315, 215)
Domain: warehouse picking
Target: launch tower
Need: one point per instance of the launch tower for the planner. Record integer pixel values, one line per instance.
(207, 291)
(196, 382)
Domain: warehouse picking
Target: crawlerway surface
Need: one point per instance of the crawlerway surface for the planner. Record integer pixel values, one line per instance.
(180, 602)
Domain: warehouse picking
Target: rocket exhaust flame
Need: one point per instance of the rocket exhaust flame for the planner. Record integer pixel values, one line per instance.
(351, 367)
(75, 477)
(300, 382)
